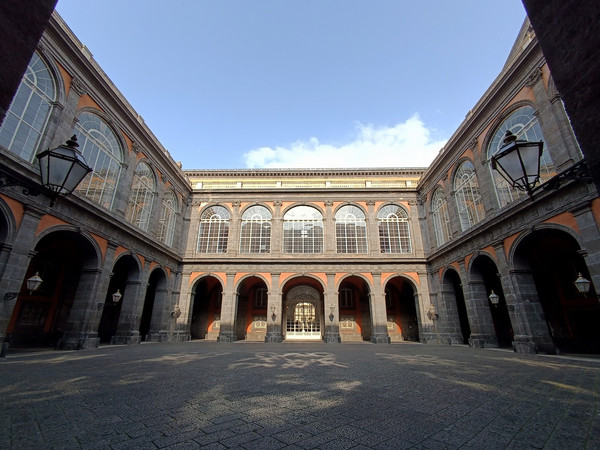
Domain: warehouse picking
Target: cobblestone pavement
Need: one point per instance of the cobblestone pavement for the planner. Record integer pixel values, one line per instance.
(269, 396)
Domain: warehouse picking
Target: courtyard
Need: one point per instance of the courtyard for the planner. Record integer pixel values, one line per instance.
(300, 395)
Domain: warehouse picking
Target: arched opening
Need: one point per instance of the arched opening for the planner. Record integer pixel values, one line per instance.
(402, 320)
(484, 280)
(41, 318)
(547, 263)
(456, 309)
(206, 309)
(355, 311)
(126, 270)
(303, 309)
(251, 322)
(156, 286)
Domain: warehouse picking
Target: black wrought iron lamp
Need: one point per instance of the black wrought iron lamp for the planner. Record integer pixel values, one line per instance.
(518, 162)
(62, 169)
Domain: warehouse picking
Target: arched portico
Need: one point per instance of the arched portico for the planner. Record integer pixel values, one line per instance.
(546, 262)
(207, 296)
(155, 306)
(303, 309)
(354, 309)
(401, 309)
(456, 321)
(252, 317)
(58, 311)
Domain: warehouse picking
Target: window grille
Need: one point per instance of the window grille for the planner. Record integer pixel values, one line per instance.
(303, 230)
(350, 230)
(255, 234)
(214, 230)
(468, 197)
(394, 232)
(441, 219)
(141, 197)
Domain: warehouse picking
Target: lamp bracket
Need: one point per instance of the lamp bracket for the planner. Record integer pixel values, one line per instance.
(578, 171)
(28, 188)
(10, 296)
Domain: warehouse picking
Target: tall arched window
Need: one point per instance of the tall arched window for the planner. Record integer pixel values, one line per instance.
(27, 116)
(139, 205)
(350, 230)
(468, 198)
(394, 233)
(168, 218)
(303, 230)
(102, 151)
(256, 230)
(524, 124)
(441, 219)
(214, 230)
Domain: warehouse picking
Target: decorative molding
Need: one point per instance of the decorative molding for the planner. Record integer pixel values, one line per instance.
(534, 77)
(78, 86)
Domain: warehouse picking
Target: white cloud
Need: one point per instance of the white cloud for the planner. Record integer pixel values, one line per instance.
(407, 144)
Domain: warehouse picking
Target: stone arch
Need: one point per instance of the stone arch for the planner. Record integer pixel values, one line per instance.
(303, 313)
(155, 309)
(545, 262)
(252, 301)
(401, 301)
(354, 303)
(483, 279)
(453, 308)
(54, 314)
(205, 307)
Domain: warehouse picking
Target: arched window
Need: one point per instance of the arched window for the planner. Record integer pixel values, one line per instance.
(102, 151)
(27, 116)
(441, 219)
(394, 234)
(166, 226)
(524, 124)
(468, 198)
(303, 230)
(350, 230)
(256, 230)
(214, 230)
(139, 205)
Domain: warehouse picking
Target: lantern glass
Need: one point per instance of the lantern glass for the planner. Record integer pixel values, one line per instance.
(117, 296)
(494, 298)
(519, 162)
(34, 282)
(582, 284)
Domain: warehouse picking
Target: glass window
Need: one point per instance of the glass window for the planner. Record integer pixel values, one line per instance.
(394, 233)
(27, 116)
(141, 197)
(214, 230)
(166, 226)
(524, 124)
(350, 230)
(441, 219)
(468, 198)
(346, 300)
(303, 230)
(255, 234)
(260, 298)
(102, 151)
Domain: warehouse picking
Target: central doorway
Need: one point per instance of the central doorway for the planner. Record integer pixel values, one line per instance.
(303, 314)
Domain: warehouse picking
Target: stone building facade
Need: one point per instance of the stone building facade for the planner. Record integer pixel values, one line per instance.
(382, 255)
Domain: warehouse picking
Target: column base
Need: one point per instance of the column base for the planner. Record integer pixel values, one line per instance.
(380, 339)
(483, 341)
(120, 339)
(78, 341)
(273, 338)
(332, 338)
(227, 337)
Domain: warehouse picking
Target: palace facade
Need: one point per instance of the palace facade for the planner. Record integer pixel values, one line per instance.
(333, 255)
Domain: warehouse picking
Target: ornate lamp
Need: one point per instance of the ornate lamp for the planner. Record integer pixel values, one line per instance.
(582, 284)
(494, 298)
(116, 297)
(34, 282)
(62, 168)
(518, 162)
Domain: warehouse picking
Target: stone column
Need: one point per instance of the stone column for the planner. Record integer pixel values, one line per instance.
(590, 237)
(17, 263)
(378, 312)
(234, 230)
(182, 324)
(274, 311)
(427, 325)
(128, 329)
(329, 230)
(228, 311)
(160, 316)
(84, 319)
(478, 311)
(525, 311)
(276, 229)
(331, 312)
(372, 230)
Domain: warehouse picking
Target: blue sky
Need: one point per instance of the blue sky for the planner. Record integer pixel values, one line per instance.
(227, 84)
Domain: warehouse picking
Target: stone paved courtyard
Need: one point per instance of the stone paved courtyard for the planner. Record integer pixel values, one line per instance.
(268, 396)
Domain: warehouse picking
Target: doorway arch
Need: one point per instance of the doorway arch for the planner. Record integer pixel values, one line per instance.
(251, 320)
(400, 303)
(457, 318)
(547, 262)
(154, 303)
(65, 260)
(303, 316)
(355, 309)
(207, 295)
